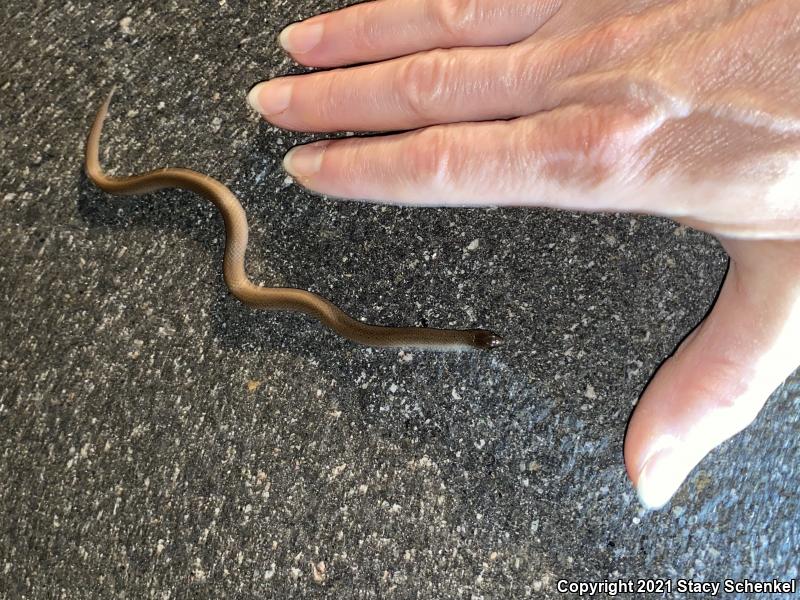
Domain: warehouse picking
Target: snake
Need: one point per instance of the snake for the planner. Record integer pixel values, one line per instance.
(270, 298)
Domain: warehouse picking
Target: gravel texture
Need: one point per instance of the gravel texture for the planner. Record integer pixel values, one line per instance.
(160, 440)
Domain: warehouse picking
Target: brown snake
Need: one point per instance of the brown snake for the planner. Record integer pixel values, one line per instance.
(272, 298)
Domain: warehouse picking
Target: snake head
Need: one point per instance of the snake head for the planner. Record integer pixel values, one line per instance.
(486, 340)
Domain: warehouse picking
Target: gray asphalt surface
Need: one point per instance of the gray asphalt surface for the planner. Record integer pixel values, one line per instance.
(160, 440)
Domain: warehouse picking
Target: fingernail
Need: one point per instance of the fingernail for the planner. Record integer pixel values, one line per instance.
(301, 37)
(270, 97)
(660, 477)
(305, 161)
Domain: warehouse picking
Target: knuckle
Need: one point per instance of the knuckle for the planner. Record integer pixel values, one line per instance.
(368, 34)
(431, 159)
(332, 89)
(533, 71)
(593, 142)
(424, 81)
(598, 130)
(456, 18)
(591, 145)
(612, 38)
(608, 40)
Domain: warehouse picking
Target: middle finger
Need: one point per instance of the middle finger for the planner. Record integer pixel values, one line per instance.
(428, 88)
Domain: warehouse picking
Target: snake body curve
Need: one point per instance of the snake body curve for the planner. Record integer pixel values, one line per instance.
(271, 298)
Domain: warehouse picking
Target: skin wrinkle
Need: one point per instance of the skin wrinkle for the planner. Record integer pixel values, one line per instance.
(461, 20)
(660, 19)
(455, 18)
(757, 36)
(726, 187)
(742, 113)
(429, 86)
(535, 11)
(368, 34)
(425, 83)
(748, 108)
(601, 143)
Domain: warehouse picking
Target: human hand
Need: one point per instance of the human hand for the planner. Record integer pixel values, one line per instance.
(688, 109)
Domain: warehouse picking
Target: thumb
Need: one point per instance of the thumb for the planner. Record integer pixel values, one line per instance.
(721, 375)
